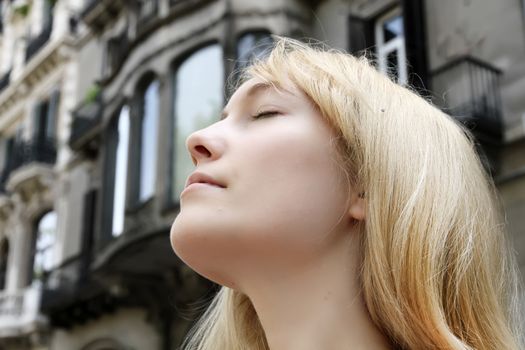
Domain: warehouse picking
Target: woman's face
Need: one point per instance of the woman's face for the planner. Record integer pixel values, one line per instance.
(282, 196)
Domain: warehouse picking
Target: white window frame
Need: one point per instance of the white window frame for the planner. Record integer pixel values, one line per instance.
(397, 44)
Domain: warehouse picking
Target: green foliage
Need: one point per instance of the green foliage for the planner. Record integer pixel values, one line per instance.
(92, 94)
(22, 10)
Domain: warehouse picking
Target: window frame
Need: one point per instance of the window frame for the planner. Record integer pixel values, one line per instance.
(110, 157)
(171, 203)
(383, 49)
(32, 279)
(136, 106)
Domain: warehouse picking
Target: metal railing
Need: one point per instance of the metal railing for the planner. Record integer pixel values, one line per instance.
(86, 117)
(35, 150)
(18, 310)
(468, 89)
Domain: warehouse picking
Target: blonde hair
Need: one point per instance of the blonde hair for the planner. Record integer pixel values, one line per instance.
(436, 270)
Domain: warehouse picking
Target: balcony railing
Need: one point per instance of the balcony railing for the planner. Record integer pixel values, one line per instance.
(34, 151)
(468, 88)
(36, 43)
(19, 310)
(87, 118)
(5, 79)
(62, 283)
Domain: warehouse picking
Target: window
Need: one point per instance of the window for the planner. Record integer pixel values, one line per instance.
(45, 239)
(148, 149)
(121, 167)
(390, 45)
(251, 46)
(47, 14)
(4, 254)
(7, 160)
(44, 118)
(198, 99)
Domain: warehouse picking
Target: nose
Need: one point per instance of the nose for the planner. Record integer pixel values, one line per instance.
(204, 145)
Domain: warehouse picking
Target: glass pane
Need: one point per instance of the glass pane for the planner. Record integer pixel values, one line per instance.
(393, 27)
(393, 65)
(121, 167)
(198, 101)
(45, 240)
(148, 154)
(251, 46)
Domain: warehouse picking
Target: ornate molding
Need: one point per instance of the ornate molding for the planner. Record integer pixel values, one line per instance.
(48, 59)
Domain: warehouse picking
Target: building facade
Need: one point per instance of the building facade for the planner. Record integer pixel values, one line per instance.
(97, 98)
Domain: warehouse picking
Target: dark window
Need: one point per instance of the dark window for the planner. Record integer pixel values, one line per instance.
(45, 238)
(44, 118)
(149, 141)
(121, 171)
(4, 255)
(49, 6)
(7, 161)
(251, 46)
(198, 99)
(394, 38)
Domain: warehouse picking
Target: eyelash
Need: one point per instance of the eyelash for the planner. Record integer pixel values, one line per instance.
(264, 114)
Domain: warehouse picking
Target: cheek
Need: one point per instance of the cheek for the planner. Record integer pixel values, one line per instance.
(299, 195)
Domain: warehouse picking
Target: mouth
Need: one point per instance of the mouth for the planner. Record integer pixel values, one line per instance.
(202, 178)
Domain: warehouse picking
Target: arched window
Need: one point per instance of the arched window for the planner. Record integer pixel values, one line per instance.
(252, 45)
(121, 171)
(46, 230)
(148, 144)
(198, 100)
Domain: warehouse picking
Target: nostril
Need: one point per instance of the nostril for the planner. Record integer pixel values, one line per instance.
(203, 150)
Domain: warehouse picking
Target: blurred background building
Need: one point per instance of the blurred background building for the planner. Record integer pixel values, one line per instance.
(98, 96)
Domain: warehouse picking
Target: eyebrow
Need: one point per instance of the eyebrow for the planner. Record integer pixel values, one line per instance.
(254, 90)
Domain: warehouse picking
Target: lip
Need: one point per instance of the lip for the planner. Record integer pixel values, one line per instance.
(198, 177)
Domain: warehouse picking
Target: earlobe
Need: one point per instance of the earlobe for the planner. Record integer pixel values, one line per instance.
(357, 209)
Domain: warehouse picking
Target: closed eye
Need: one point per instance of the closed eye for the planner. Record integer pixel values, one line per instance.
(264, 114)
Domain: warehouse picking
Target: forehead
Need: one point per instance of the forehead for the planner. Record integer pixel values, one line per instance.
(256, 86)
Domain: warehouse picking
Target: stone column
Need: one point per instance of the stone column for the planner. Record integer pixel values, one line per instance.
(21, 243)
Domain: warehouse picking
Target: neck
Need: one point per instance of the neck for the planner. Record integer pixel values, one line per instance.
(317, 306)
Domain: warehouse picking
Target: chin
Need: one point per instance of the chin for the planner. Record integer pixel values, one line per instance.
(196, 247)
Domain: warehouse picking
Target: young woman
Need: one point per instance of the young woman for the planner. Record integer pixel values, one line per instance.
(339, 210)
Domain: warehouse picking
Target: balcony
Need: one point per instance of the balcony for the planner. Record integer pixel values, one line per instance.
(36, 43)
(86, 126)
(468, 89)
(70, 297)
(97, 13)
(34, 151)
(19, 311)
(31, 167)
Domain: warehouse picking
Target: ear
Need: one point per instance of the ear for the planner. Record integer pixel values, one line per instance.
(357, 208)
